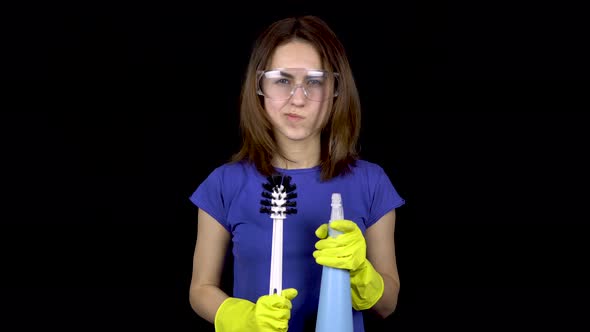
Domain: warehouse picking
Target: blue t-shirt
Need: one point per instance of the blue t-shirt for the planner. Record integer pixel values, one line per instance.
(233, 195)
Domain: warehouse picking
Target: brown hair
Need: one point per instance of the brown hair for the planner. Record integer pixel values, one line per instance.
(341, 131)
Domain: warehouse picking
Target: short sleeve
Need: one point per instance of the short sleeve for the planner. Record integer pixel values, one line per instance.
(385, 196)
(209, 197)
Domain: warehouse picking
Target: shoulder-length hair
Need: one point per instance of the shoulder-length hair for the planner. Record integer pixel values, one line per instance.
(340, 132)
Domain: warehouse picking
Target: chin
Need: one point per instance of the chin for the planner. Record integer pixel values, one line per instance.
(295, 135)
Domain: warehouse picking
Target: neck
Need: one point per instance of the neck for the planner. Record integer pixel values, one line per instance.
(298, 154)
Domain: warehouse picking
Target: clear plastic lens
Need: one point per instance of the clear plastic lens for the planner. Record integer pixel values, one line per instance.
(281, 84)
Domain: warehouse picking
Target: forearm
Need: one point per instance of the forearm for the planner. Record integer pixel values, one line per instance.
(388, 301)
(205, 300)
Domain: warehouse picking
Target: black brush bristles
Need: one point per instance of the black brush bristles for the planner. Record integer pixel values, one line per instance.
(278, 196)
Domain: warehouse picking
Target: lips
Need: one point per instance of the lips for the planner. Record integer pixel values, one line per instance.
(293, 116)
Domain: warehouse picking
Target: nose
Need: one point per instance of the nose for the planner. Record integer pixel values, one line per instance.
(297, 96)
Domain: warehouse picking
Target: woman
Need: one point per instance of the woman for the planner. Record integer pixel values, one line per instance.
(300, 118)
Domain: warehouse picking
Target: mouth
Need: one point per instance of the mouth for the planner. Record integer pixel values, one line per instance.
(294, 117)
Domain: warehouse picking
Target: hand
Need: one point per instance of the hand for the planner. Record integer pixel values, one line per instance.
(349, 251)
(270, 313)
(345, 251)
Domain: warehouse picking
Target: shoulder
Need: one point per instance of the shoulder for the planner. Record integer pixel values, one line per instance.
(367, 168)
(370, 173)
(367, 165)
(230, 176)
(234, 170)
(227, 179)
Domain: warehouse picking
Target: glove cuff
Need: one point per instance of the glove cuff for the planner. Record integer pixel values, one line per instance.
(229, 310)
(366, 285)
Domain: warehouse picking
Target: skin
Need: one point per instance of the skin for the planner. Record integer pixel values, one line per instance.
(297, 125)
(297, 121)
(381, 253)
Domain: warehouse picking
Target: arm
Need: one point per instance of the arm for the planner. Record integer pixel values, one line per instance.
(205, 294)
(269, 313)
(381, 254)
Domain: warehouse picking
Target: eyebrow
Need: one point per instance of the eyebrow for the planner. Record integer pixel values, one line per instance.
(311, 74)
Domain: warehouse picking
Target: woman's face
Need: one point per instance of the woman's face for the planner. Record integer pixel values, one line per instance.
(297, 118)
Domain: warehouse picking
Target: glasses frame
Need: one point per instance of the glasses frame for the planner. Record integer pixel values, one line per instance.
(260, 74)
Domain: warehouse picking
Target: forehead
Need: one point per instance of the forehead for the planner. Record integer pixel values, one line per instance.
(296, 54)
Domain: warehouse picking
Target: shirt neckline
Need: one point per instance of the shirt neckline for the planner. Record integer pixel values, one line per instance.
(298, 170)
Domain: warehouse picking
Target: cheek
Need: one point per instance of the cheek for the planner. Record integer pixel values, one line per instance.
(273, 107)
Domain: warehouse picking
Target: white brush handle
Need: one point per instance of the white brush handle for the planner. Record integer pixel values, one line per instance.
(276, 259)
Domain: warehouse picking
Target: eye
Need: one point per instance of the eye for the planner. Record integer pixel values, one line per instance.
(282, 81)
(316, 82)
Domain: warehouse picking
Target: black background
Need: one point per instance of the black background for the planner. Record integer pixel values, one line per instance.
(114, 114)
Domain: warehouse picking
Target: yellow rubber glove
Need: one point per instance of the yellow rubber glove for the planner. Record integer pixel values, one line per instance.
(269, 313)
(349, 251)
